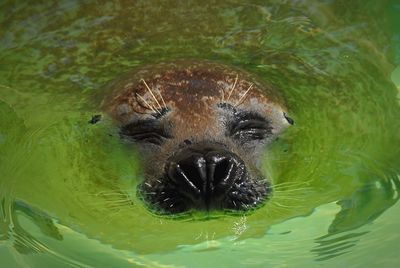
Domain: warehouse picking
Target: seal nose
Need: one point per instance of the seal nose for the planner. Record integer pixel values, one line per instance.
(203, 174)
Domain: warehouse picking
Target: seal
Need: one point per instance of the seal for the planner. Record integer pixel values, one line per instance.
(201, 128)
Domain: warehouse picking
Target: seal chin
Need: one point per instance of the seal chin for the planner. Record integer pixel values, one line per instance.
(247, 194)
(165, 197)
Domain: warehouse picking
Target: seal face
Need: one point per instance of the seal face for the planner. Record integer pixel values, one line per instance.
(201, 128)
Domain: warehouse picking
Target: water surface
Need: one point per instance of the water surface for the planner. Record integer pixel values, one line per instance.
(68, 188)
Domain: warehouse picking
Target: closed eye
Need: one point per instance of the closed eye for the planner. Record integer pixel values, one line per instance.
(249, 127)
(145, 131)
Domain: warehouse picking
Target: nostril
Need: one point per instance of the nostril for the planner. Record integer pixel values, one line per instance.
(180, 177)
(186, 178)
(203, 176)
(221, 171)
(189, 170)
(189, 175)
(195, 173)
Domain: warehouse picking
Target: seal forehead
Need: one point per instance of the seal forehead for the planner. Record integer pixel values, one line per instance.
(191, 91)
(188, 90)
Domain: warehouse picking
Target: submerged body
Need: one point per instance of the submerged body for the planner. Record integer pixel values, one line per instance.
(201, 128)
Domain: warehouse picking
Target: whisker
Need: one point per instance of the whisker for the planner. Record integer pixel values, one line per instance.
(119, 201)
(116, 192)
(150, 193)
(119, 206)
(106, 193)
(285, 206)
(290, 189)
(283, 197)
(294, 187)
(293, 192)
(242, 97)
(286, 185)
(148, 105)
(110, 217)
(151, 92)
(293, 182)
(290, 184)
(233, 87)
(112, 204)
(162, 99)
(279, 208)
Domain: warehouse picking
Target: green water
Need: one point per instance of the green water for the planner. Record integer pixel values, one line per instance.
(67, 188)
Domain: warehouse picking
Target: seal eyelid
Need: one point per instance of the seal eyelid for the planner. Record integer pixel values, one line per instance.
(249, 127)
(244, 115)
(145, 131)
(253, 126)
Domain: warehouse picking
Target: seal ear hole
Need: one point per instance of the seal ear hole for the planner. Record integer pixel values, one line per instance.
(288, 119)
(187, 142)
(95, 119)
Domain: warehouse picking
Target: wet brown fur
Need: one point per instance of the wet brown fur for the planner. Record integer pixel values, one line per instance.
(192, 90)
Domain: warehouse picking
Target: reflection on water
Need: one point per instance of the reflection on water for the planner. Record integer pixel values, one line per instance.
(369, 202)
(68, 188)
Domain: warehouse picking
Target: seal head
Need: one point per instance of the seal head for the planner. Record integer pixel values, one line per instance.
(201, 128)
